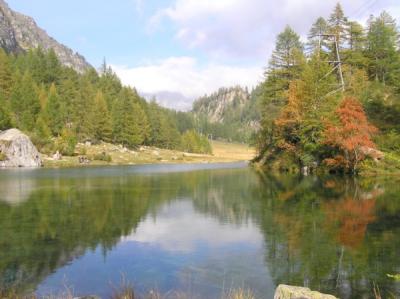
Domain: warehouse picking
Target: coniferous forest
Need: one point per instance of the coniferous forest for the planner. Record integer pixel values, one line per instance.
(59, 107)
(334, 101)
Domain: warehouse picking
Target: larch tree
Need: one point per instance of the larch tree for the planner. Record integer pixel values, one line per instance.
(102, 125)
(317, 41)
(382, 49)
(349, 136)
(337, 26)
(55, 111)
(25, 101)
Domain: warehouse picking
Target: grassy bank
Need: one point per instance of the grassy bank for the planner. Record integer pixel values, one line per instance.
(109, 154)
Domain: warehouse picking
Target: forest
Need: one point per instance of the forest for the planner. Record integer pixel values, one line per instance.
(333, 103)
(59, 107)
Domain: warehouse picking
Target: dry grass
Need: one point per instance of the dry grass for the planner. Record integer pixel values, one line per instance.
(232, 151)
(222, 152)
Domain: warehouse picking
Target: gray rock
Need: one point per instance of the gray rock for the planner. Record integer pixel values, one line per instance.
(17, 150)
(57, 156)
(292, 292)
(20, 33)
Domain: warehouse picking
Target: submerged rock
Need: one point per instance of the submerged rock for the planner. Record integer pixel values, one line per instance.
(17, 150)
(293, 292)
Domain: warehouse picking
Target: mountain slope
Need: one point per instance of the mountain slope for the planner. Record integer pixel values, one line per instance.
(21, 33)
(230, 113)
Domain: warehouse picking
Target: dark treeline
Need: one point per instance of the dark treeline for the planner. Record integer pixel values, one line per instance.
(59, 107)
(309, 119)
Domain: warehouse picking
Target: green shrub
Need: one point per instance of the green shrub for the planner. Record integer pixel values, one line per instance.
(3, 157)
(389, 142)
(66, 143)
(102, 157)
(193, 142)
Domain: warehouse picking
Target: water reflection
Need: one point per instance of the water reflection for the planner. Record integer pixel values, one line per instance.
(198, 230)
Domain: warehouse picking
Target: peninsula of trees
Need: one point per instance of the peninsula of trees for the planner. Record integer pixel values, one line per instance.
(332, 102)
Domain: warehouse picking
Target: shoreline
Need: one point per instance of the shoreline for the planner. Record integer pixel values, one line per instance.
(223, 152)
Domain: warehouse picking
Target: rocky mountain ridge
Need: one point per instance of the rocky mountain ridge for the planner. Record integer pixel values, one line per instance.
(19, 32)
(231, 114)
(217, 105)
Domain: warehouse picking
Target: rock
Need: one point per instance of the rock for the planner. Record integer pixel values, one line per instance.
(88, 143)
(57, 156)
(17, 150)
(292, 292)
(83, 160)
(156, 153)
(372, 153)
(21, 33)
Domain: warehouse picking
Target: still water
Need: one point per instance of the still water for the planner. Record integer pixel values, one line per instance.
(200, 229)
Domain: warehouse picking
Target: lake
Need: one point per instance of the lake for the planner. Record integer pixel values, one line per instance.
(201, 229)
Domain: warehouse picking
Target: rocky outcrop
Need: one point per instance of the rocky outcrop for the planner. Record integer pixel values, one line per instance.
(218, 104)
(292, 292)
(20, 33)
(17, 150)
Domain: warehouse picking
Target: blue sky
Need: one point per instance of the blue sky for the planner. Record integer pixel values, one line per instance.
(185, 47)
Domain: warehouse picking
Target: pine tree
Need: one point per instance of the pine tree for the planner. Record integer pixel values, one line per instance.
(5, 118)
(55, 111)
(354, 55)
(42, 134)
(317, 41)
(24, 101)
(285, 65)
(382, 45)
(5, 75)
(128, 119)
(102, 125)
(337, 26)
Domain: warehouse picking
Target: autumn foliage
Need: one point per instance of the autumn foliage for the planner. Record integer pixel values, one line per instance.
(353, 216)
(349, 136)
(288, 123)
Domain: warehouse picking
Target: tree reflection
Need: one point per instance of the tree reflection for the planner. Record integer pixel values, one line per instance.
(337, 235)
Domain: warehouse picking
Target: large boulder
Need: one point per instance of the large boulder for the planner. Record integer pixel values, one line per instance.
(292, 292)
(17, 150)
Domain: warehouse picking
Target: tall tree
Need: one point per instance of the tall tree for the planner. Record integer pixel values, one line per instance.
(382, 49)
(337, 26)
(25, 101)
(102, 126)
(129, 119)
(55, 111)
(317, 41)
(285, 65)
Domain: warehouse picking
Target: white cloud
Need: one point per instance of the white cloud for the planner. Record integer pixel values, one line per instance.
(184, 75)
(179, 228)
(246, 29)
(230, 33)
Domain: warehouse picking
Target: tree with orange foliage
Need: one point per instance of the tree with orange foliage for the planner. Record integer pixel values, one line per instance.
(352, 133)
(288, 123)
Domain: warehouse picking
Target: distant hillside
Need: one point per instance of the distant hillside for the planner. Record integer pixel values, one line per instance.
(20, 33)
(230, 113)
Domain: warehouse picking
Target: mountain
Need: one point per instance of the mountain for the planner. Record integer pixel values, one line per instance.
(20, 33)
(170, 99)
(230, 113)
